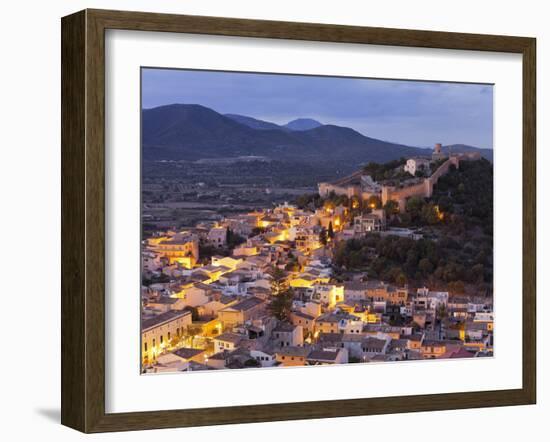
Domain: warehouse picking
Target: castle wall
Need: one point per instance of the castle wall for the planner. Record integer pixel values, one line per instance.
(325, 189)
(422, 190)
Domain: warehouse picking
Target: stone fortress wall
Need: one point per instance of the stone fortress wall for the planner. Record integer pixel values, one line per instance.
(350, 186)
(424, 189)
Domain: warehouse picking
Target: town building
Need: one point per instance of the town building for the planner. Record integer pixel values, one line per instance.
(227, 342)
(292, 356)
(181, 248)
(242, 311)
(217, 237)
(286, 334)
(158, 331)
(327, 356)
(414, 165)
(370, 222)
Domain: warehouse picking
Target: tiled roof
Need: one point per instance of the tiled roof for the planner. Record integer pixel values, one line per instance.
(230, 337)
(188, 353)
(246, 304)
(169, 316)
(323, 355)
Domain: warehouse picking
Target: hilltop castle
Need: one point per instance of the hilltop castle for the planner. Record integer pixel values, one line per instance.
(362, 186)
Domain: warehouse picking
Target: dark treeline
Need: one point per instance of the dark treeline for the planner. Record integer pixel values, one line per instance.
(458, 246)
(467, 193)
(445, 262)
(384, 171)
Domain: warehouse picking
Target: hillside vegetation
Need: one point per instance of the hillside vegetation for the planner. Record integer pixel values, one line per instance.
(456, 252)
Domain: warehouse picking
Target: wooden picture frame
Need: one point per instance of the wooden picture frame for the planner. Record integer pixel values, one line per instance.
(83, 220)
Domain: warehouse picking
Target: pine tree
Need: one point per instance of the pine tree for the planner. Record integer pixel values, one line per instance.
(323, 236)
(281, 305)
(279, 283)
(330, 231)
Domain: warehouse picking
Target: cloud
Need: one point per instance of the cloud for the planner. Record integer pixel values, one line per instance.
(409, 112)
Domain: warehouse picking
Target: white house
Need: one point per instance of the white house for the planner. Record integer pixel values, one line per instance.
(374, 346)
(416, 164)
(265, 357)
(328, 356)
(370, 222)
(355, 291)
(227, 342)
(429, 299)
(165, 303)
(328, 294)
(288, 335)
(169, 362)
(350, 326)
(217, 236)
(195, 295)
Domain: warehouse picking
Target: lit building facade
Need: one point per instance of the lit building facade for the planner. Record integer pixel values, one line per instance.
(157, 333)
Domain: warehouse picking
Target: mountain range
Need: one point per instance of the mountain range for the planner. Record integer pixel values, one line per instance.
(192, 132)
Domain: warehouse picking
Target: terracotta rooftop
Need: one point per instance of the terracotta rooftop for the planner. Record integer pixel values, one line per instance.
(169, 316)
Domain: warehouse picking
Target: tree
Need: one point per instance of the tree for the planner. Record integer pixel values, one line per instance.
(258, 231)
(414, 206)
(234, 239)
(355, 259)
(192, 332)
(281, 305)
(175, 341)
(456, 287)
(279, 283)
(323, 239)
(387, 170)
(206, 251)
(445, 203)
(330, 232)
(391, 207)
(308, 200)
(251, 363)
(421, 171)
(429, 214)
(292, 265)
(441, 312)
(194, 313)
(425, 266)
(401, 279)
(405, 218)
(481, 257)
(478, 272)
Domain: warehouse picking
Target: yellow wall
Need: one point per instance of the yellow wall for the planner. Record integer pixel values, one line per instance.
(290, 361)
(152, 338)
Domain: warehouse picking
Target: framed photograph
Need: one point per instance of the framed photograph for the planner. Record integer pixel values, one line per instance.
(267, 221)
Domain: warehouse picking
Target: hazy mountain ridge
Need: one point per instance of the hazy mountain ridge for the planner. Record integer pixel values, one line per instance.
(299, 124)
(302, 124)
(192, 131)
(254, 123)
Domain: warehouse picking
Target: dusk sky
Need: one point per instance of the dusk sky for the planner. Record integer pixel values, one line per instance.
(408, 112)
